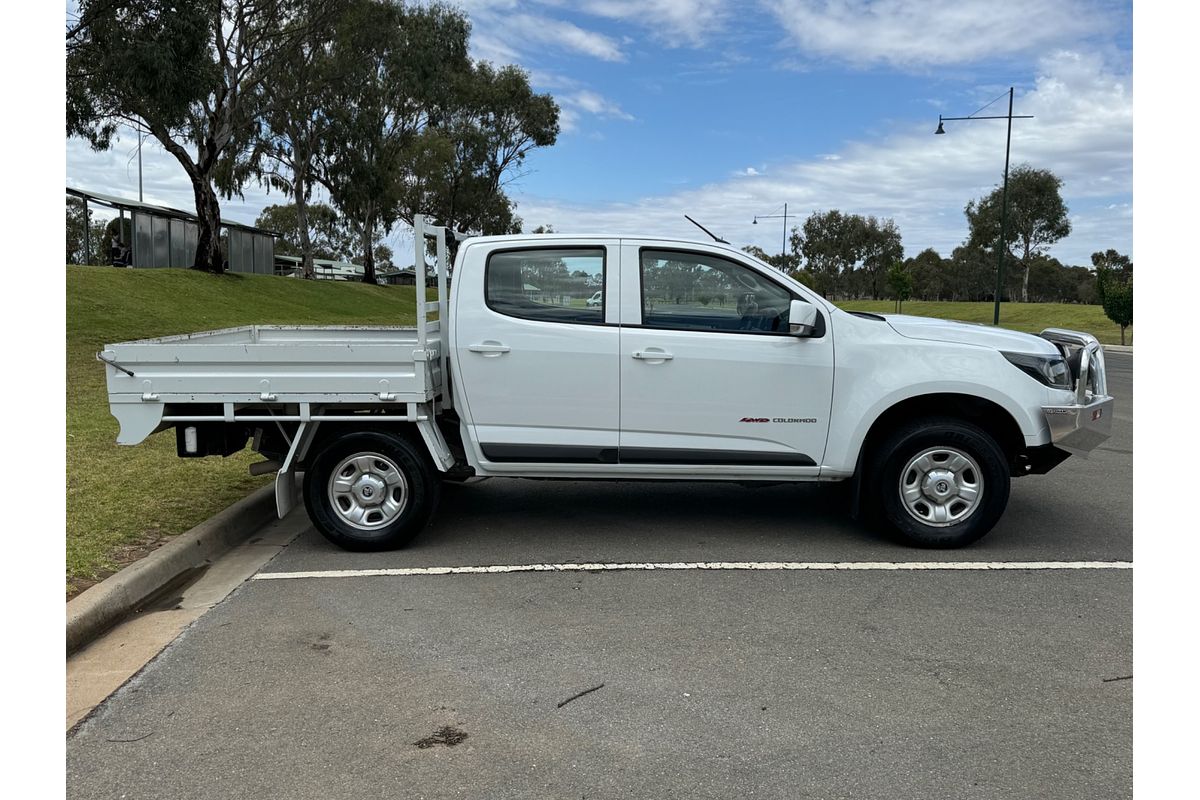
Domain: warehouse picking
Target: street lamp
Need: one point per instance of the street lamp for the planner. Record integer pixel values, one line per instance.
(784, 215)
(1004, 201)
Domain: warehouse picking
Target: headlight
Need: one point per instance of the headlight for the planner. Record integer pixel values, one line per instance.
(1050, 371)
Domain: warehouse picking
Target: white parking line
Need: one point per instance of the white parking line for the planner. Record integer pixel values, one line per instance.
(768, 566)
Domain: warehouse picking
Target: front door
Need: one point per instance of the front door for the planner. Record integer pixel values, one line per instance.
(711, 380)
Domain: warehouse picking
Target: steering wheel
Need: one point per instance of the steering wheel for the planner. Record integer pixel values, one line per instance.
(749, 311)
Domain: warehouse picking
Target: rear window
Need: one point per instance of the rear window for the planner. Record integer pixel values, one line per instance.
(548, 284)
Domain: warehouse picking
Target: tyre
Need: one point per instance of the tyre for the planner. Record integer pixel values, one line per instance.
(370, 491)
(938, 482)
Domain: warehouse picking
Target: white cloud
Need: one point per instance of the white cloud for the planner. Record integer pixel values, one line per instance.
(503, 34)
(593, 103)
(673, 22)
(575, 100)
(923, 33)
(1082, 131)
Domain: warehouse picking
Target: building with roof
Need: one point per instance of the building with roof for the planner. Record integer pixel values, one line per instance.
(158, 236)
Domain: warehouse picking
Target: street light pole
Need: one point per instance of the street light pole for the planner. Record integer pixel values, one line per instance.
(1003, 216)
(783, 249)
(1000, 247)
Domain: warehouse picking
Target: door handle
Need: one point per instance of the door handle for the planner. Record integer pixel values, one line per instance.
(489, 349)
(652, 354)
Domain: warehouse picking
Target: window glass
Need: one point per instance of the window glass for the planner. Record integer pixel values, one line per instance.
(689, 291)
(554, 285)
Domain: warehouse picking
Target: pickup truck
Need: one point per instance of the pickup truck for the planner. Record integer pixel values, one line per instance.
(698, 362)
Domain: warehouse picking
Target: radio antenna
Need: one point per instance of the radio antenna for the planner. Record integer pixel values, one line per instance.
(706, 230)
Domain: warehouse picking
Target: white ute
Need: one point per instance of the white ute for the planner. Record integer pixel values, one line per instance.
(697, 362)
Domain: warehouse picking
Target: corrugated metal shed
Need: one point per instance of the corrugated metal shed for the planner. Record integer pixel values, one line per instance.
(166, 237)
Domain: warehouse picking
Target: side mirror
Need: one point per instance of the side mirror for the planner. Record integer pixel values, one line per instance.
(802, 318)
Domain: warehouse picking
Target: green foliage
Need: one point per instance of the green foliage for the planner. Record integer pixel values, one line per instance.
(1114, 281)
(880, 247)
(330, 236)
(847, 254)
(141, 59)
(1036, 218)
(829, 244)
(78, 244)
(196, 75)
(465, 158)
(784, 262)
(376, 100)
(1114, 263)
(899, 283)
(1118, 305)
(802, 275)
(287, 150)
(396, 67)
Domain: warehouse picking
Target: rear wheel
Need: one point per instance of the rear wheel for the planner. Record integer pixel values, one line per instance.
(938, 482)
(370, 491)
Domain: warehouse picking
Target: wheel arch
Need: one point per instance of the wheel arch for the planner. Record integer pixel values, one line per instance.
(328, 432)
(991, 417)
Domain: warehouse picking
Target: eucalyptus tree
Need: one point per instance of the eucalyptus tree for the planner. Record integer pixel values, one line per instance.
(197, 76)
(881, 249)
(832, 244)
(328, 234)
(1037, 217)
(478, 145)
(396, 66)
(289, 146)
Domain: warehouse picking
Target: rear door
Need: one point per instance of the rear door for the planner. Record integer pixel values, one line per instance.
(536, 353)
(711, 380)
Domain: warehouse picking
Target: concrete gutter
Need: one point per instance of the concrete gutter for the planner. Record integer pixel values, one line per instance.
(1118, 348)
(100, 607)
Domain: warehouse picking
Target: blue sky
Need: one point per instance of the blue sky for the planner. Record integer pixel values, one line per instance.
(724, 110)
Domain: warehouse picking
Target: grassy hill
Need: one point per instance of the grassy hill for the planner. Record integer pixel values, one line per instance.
(122, 501)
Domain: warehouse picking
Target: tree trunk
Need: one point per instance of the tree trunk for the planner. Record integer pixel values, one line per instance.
(1122, 336)
(306, 256)
(208, 215)
(368, 254)
(1025, 277)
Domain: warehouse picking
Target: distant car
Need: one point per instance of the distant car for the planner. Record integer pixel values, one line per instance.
(594, 300)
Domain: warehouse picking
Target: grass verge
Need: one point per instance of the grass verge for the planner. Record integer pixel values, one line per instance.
(124, 501)
(1027, 317)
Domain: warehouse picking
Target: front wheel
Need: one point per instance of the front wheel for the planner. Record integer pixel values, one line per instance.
(370, 491)
(939, 483)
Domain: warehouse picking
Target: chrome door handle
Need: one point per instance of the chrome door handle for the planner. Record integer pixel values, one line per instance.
(489, 349)
(653, 354)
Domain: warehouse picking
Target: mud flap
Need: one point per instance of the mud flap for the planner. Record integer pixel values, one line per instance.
(285, 479)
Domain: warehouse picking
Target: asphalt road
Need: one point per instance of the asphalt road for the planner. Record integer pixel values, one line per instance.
(716, 684)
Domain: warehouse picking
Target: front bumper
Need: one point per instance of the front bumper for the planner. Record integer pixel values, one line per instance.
(1079, 429)
(1083, 425)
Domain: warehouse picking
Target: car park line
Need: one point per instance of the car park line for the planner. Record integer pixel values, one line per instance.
(763, 566)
